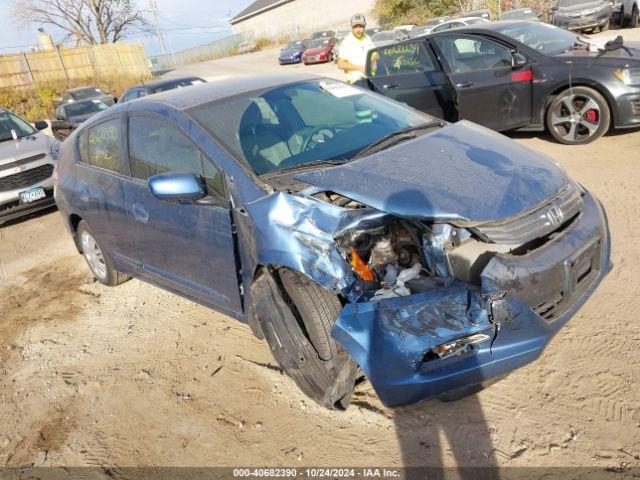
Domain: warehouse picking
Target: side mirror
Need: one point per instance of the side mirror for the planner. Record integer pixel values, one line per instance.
(178, 187)
(115, 100)
(518, 60)
(41, 125)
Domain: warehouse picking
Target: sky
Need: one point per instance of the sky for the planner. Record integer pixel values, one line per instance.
(184, 24)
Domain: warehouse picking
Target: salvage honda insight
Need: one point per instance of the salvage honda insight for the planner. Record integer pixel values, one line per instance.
(358, 236)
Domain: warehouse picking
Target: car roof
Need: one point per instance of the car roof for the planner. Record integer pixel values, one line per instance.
(184, 98)
(77, 89)
(166, 81)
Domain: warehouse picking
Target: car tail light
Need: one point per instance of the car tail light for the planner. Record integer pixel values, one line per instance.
(522, 76)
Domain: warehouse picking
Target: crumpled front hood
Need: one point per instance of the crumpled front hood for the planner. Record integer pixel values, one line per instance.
(461, 172)
(12, 150)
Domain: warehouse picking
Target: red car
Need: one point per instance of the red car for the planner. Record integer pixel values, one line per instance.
(321, 50)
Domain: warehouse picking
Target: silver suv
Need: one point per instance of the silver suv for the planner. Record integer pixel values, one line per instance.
(27, 161)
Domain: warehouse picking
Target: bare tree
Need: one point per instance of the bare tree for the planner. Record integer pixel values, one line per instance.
(86, 21)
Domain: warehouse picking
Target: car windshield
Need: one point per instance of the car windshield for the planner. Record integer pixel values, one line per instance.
(77, 109)
(294, 44)
(9, 122)
(184, 82)
(85, 93)
(519, 15)
(301, 123)
(541, 36)
(319, 42)
(382, 36)
(476, 20)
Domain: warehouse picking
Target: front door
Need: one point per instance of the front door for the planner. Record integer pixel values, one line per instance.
(409, 73)
(489, 91)
(184, 247)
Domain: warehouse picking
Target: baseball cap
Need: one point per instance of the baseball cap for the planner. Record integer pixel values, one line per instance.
(358, 19)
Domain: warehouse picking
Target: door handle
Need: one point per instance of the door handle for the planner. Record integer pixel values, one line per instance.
(464, 85)
(139, 213)
(388, 86)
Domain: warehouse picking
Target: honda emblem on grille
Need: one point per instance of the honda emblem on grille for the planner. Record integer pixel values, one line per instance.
(555, 216)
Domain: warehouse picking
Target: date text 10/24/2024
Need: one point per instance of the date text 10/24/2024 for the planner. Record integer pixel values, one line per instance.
(316, 473)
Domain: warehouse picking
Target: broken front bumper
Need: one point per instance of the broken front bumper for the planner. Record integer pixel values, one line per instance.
(527, 297)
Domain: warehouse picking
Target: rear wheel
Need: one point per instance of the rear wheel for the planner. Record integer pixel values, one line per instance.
(97, 258)
(578, 115)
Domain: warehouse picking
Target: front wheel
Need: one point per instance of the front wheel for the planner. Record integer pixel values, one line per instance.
(633, 21)
(578, 115)
(97, 258)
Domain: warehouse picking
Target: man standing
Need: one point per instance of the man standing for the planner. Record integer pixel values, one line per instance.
(352, 57)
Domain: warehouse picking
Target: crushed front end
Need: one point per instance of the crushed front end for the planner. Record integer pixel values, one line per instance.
(438, 307)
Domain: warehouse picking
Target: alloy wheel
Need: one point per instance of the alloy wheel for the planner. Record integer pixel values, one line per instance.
(93, 254)
(576, 117)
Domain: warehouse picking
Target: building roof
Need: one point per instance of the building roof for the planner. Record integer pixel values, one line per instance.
(256, 8)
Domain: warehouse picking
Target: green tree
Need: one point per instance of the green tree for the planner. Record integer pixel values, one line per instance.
(390, 13)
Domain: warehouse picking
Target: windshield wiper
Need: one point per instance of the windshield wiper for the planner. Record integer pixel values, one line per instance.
(315, 163)
(396, 137)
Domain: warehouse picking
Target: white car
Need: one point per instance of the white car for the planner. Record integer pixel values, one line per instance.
(27, 161)
(447, 25)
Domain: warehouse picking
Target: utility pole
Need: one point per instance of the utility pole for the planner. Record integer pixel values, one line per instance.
(152, 4)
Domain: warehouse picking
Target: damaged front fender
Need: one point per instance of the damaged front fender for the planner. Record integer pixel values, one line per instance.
(391, 340)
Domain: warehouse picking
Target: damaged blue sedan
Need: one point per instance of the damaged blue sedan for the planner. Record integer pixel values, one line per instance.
(357, 236)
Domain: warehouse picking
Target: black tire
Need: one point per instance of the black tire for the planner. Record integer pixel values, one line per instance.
(569, 116)
(633, 21)
(318, 309)
(295, 316)
(108, 276)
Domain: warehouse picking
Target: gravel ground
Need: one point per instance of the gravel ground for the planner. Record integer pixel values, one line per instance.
(132, 375)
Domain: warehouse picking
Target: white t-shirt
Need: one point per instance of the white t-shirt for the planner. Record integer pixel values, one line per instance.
(355, 51)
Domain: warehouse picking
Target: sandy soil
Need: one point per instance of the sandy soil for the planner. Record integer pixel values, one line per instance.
(132, 375)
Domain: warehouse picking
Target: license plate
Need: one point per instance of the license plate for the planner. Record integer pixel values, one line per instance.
(32, 195)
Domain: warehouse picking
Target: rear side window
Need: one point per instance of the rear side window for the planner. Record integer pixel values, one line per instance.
(471, 54)
(156, 146)
(404, 58)
(100, 146)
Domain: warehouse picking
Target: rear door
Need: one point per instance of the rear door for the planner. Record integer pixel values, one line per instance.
(488, 90)
(99, 186)
(187, 247)
(410, 73)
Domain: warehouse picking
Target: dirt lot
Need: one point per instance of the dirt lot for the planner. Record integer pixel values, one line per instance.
(132, 376)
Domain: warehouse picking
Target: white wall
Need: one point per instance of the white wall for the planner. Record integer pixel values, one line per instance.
(301, 17)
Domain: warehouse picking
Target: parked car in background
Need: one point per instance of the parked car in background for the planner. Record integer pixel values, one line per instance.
(292, 51)
(388, 37)
(484, 13)
(320, 50)
(520, 14)
(582, 15)
(625, 13)
(372, 31)
(357, 236)
(69, 115)
(158, 86)
(427, 27)
(27, 160)
(340, 34)
(85, 93)
(322, 34)
(513, 75)
(458, 22)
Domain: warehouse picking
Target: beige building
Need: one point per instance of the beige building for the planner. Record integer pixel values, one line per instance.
(296, 18)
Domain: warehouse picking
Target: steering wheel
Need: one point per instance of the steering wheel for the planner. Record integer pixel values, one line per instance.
(310, 142)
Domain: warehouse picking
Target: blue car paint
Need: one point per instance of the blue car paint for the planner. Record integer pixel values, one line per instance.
(470, 174)
(300, 232)
(293, 55)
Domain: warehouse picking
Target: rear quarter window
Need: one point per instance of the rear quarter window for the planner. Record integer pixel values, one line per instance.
(100, 146)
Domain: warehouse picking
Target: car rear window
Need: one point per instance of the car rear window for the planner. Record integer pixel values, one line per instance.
(398, 59)
(100, 146)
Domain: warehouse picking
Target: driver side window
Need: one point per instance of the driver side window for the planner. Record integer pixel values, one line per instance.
(471, 54)
(155, 146)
